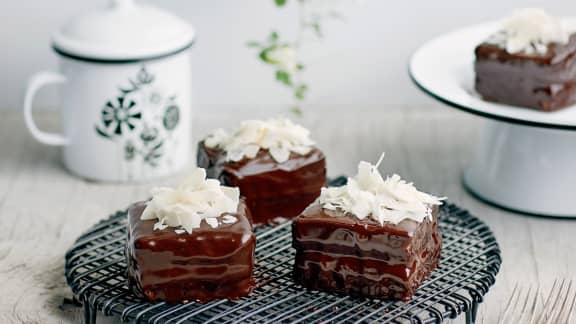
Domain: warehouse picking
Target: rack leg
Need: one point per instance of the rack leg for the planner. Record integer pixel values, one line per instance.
(89, 313)
(472, 313)
(469, 319)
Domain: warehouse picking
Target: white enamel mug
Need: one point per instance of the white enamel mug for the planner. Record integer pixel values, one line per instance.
(124, 92)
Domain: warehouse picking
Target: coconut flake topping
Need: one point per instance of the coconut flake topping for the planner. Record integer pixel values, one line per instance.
(197, 199)
(386, 201)
(279, 136)
(530, 31)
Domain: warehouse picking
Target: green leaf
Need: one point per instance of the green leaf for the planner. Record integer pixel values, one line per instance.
(317, 29)
(253, 44)
(296, 111)
(264, 54)
(284, 77)
(280, 3)
(273, 37)
(300, 91)
(299, 66)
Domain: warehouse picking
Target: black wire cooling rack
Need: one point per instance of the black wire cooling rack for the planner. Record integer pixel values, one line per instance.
(95, 270)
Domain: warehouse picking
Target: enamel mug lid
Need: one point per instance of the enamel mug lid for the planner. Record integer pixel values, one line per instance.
(122, 32)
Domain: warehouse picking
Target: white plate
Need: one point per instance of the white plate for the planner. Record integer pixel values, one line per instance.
(443, 68)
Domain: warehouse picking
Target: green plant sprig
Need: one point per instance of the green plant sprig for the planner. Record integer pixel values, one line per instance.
(286, 69)
(283, 55)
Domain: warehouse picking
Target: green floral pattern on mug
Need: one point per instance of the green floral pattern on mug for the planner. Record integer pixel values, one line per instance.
(141, 118)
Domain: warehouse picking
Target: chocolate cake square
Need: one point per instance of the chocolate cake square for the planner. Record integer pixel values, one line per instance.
(271, 189)
(337, 252)
(544, 81)
(175, 266)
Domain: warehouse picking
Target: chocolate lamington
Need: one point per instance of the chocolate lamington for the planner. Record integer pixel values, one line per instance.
(273, 187)
(372, 237)
(540, 76)
(209, 263)
(339, 253)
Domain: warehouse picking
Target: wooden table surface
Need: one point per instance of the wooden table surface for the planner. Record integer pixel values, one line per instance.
(43, 208)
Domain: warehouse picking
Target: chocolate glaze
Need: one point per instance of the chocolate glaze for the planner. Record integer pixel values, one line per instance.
(271, 189)
(211, 263)
(546, 81)
(339, 253)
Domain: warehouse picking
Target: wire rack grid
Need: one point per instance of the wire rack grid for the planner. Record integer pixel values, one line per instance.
(95, 270)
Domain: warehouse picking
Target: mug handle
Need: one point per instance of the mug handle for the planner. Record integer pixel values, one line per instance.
(36, 82)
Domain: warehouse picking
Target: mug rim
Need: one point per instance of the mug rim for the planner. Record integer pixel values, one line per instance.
(69, 55)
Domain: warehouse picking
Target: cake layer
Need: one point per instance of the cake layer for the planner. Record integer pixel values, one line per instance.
(546, 82)
(351, 276)
(372, 268)
(184, 291)
(339, 253)
(271, 189)
(210, 263)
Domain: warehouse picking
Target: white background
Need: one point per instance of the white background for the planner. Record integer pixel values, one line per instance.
(360, 62)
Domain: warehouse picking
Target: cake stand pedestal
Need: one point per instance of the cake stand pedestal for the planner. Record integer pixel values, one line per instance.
(525, 168)
(526, 159)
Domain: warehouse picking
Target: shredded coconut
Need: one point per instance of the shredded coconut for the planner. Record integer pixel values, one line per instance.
(530, 31)
(386, 201)
(195, 200)
(279, 136)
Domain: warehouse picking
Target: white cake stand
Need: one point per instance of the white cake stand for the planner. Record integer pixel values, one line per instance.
(526, 159)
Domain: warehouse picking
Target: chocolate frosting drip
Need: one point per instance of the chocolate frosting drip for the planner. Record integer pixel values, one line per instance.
(210, 263)
(339, 253)
(271, 189)
(546, 82)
